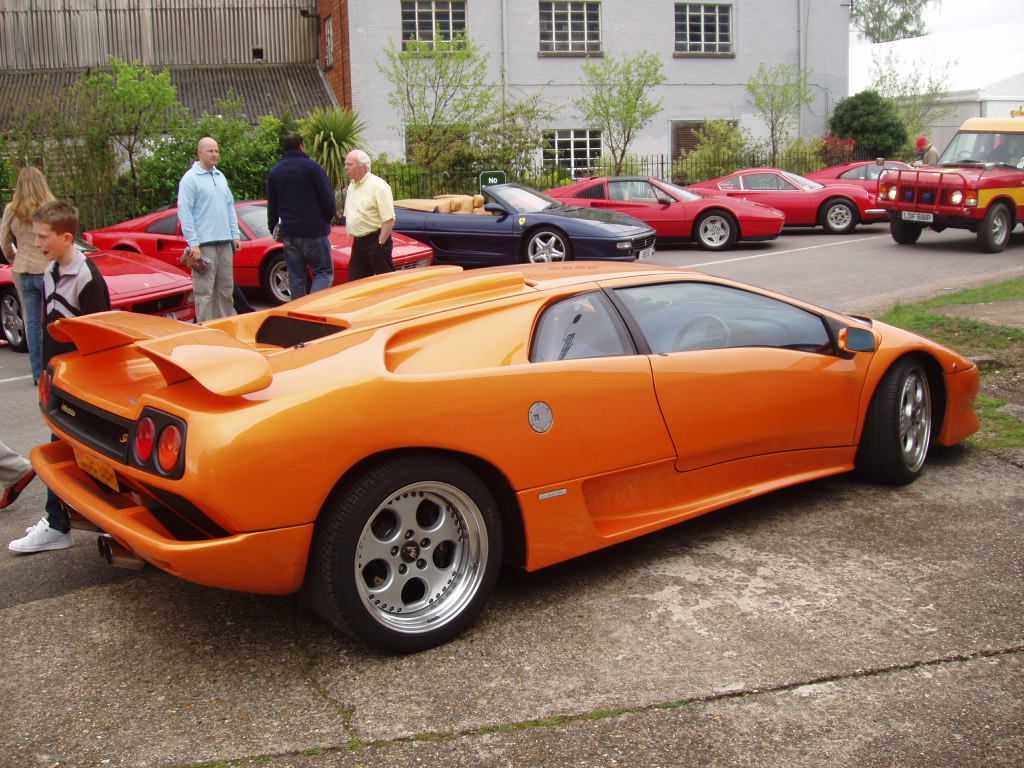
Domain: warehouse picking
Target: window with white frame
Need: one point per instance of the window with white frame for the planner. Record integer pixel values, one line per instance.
(576, 150)
(570, 27)
(704, 29)
(328, 42)
(423, 20)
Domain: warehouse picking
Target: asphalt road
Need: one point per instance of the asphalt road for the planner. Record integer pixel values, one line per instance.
(830, 624)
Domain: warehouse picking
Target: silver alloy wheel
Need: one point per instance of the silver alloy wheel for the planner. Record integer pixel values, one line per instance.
(279, 283)
(1000, 229)
(839, 217)
(421, 557)
(11, 319)
(714, 231)
(915, 419)
(545, 247)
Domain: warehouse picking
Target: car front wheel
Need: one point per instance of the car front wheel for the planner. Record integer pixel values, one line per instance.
(994, 231)
(898, 428)
(715, 231)
(12, 320)
(903, 232)
(546, 245)
(405, 556)
(276, 284)
(839, 216)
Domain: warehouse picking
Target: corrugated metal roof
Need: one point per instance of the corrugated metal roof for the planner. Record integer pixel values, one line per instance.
(268, 89)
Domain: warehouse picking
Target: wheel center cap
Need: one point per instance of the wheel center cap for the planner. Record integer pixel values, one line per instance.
(410, 552)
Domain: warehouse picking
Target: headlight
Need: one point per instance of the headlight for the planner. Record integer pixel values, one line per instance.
(624, 245)
(957, 197)
(892, 193)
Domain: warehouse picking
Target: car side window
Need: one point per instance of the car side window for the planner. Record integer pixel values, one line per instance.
(858, 173)
(580, 327)
(730, 183)
(690, 316)
(636, 190)
(761, 181)
(168, 225)
(593, 192)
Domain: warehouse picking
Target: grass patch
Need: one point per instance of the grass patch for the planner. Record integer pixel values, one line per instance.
(999, 429)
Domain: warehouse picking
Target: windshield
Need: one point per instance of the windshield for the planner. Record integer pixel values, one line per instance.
(524, 200)
(801, 181)
(680, 193)
(985, 147)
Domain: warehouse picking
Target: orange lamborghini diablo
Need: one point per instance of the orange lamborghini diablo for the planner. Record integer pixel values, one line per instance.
(383, 445)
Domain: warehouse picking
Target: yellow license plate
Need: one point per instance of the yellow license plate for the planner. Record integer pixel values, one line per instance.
(99, 469)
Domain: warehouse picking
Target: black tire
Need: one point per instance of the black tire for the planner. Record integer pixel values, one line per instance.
(12, 319)
(274, 279)
(405, 555)
(545, 245)
(904, 232)
(898, 428)
(715, 231)
(839, 216)
(994, 230)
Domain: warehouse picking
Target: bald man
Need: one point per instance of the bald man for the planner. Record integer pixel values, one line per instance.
(206, 209)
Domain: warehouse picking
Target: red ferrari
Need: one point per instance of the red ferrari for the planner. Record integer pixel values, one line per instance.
(862, 173)
(839, 208)
(679, 215)
(260, 262)
(136, 284)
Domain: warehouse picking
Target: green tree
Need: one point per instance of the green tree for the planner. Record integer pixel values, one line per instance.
(778, 94)
(330, 135)
(440, 92)
(919, 96)
(721, 150)
(136, 104)
(873, 121)
(882, 21)
(618, 102)
(514, 133)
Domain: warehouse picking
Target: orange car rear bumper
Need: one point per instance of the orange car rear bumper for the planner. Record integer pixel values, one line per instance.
(269, 562)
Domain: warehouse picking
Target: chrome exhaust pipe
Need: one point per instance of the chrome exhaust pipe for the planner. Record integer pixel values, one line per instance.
(116, 555)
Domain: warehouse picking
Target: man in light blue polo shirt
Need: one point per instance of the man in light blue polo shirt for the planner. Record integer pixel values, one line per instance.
(206, 209)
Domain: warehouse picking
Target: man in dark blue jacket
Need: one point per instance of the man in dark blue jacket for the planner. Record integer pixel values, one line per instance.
(300, 207)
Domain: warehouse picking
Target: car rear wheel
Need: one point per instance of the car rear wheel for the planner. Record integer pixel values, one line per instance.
(904, 232)
(405, 556)
(839, 216)
(12, 319)
(715, 231)
(276, 284)
(898, 428)
(547, 244)
(994, 231)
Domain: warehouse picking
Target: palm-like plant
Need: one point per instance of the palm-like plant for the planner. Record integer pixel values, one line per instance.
(330, 135)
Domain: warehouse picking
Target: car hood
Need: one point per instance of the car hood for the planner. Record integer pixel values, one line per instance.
(613, 221)
(132, 274)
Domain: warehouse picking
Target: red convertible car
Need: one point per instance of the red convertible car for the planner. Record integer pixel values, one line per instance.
(260, 262)
(136, 284)
(861, 173)
(679, 215)
(839, 208)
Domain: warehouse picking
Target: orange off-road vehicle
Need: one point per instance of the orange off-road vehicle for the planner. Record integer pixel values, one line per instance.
(977, 185)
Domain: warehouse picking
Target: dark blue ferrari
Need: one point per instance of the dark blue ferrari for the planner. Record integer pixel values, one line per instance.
(510, 223)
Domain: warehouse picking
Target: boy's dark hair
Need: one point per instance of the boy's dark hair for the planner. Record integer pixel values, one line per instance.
(61, 215)
(292, 142)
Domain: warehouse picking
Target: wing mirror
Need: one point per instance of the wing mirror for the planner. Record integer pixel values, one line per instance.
(857, 340)
(665, 200)
(495, 208)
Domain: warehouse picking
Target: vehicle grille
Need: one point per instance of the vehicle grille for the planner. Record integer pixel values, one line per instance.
(161, 305)
(643, 242)
(102, 431)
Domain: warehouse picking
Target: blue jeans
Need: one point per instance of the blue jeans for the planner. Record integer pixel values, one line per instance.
(308, 254)
(30, 288)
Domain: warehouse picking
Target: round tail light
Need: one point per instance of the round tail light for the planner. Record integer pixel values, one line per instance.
(145, 437)
(169, 450)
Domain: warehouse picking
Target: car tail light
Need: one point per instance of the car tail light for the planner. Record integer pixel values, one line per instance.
(145, 436)
(44, 389)
(169, 450)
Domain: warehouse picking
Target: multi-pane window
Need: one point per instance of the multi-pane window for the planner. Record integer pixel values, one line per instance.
(704, 28)
(575, 150)
(570, 27)
(423, 20)
(328, 42)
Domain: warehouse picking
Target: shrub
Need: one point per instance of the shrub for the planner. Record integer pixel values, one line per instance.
(834, 150)
(873, 121)
(720, 152)
(801, 155)
(330, 135)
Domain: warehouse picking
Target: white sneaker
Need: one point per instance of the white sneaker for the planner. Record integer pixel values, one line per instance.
(40, 538)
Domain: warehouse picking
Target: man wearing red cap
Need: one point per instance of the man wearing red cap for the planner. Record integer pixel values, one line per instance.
(927, 154)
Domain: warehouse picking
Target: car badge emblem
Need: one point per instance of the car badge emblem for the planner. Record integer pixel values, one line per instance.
(522, 220)
(541, 417)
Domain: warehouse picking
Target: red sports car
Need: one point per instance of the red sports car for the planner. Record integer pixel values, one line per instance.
(837, 207)
(136, 284)
(678, 214)
(862, 173)
(260, 262)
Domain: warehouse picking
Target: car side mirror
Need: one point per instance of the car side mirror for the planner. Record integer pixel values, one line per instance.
(664, 200)
(495, 208)
(857, 340)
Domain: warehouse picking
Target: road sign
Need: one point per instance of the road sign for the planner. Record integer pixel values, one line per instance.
(492, 177)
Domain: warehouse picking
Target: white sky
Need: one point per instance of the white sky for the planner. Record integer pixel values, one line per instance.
(952, 15)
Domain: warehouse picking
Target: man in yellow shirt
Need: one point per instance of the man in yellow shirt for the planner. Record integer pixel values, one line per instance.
(369, 217)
